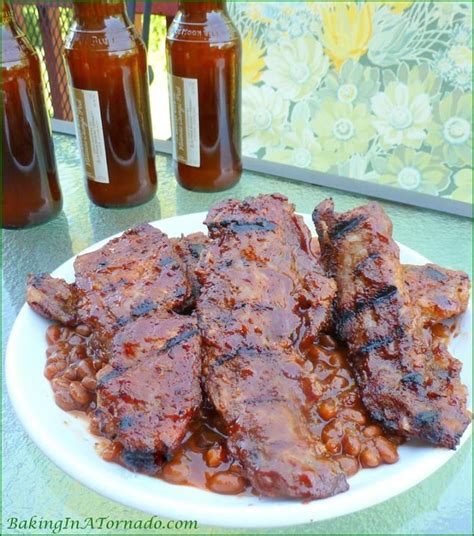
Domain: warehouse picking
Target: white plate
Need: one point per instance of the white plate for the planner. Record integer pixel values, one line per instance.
(65, 440)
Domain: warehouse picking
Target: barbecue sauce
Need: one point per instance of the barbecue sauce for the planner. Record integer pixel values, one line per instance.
(204, 64)
(31, 192)
(204, 460)
(107, 69)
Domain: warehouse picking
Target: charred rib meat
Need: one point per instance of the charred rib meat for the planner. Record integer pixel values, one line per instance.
(127, 292)
(408, 381)
(150, 388)
(437, 292)
(131, 276)
(263, 296)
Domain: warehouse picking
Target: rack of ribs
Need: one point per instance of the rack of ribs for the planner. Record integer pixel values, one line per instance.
(129, 293)
(263, 297)
(408, 380)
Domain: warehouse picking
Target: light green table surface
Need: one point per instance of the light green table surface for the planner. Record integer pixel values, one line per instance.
(33, 485)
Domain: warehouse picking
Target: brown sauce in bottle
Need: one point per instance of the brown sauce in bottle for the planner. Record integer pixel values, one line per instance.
(31, 192)
(107, 68)
(204, 63)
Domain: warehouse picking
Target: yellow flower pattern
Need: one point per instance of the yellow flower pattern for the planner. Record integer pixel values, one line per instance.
(253, 62)
(347, 29)
(374, 91)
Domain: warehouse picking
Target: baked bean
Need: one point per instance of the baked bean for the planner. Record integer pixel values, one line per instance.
(353, 415)
(75, 339)
(369, 457)
(226, 483)
(351, 444)
(59, 383)
(64, 399)
(110, 450)
(387, 450)
(176, 472)
(332, 430)
(349, 465)
(89, 383)
(83, 330)
(373, 430)
(79, 394)
(333, 445)
(53, 333)
(440, 330)
(327, 409)
(70, 373)
(78, 352)
(52, 369)
(51, 350)
(94, 426)
(215, 456)
(84, 369)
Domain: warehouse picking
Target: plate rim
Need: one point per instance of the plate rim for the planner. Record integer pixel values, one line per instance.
(223, 516)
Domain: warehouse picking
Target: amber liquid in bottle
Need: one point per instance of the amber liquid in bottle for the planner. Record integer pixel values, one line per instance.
(108, 76)
(204, 64)
(31, 192)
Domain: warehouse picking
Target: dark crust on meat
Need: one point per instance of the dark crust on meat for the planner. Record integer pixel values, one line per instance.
(130, 276)
(408, 380)
(263, 297)
(150, 389)
(52, 298)
(437, 292)
(128, 292)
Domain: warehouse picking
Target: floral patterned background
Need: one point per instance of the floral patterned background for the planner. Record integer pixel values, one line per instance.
(375, 91)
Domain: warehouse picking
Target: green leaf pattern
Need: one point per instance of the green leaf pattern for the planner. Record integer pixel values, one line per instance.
(389, 102)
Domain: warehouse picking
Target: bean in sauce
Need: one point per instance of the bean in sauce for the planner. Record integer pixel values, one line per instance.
(204, 461)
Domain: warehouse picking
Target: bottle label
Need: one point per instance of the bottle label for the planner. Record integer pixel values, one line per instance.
(90, 134)
(185, 120)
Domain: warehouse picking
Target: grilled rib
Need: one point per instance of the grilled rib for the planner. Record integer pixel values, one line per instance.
(132, 275)
(263, 297)
(128, 292)
(437, 292)
(52, 298)
(150, 388)
(409, 382)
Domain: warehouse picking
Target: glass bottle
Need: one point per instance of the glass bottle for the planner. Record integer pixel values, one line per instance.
(31, 192)
(204, 65)
(108, 76)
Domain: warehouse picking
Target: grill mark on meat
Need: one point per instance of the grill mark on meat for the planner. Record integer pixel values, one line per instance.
(238, 226)
(196, 250)
(255, 375)
(241, 352)
(179, 339)
(115, 373)
(120, 322)
(143, 308)
(414, 378)
(435, 274)
(394, 357)
(378, 298)
(359, 268)
(376, 344)
(342, 228)
(140, 460)
(427, 418)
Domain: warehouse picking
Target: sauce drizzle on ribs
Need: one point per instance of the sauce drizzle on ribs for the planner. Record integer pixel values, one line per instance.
(408, 380)
(264, 297)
